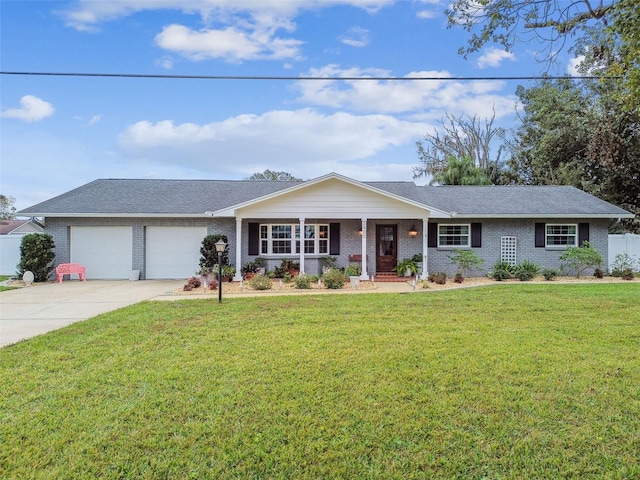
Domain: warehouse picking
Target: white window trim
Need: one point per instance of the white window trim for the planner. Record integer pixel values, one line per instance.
(454, 247)
(560, 247)
(293, 240)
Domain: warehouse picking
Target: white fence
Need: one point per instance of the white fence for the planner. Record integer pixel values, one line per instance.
(9, 254)
(626, 243)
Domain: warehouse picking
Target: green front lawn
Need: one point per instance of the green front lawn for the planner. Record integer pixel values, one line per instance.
(504, 381)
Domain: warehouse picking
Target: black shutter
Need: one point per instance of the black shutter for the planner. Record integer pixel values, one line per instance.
(540, 234)
(476, 235)
(334, 239)
(583, 233)
(433, 235)
(254, 239)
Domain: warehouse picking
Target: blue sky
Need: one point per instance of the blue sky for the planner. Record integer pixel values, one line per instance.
(58, 133)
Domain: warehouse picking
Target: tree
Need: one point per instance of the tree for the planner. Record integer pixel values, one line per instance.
(581, 258)
(553, 23)
(7, 210)
(581, 135)
(37, 255)
(209, 255)
(462, 136)
(549, 146)
(504, 21)
(271, 176)
(460, 172)
(626, 27)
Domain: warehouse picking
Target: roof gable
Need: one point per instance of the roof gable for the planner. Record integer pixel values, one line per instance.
(331, 196)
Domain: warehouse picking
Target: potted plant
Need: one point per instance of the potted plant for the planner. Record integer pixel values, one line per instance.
(417, 259)
(249, 270)
(290, 266)
(353, 271)
(406, 268)
(228, 271)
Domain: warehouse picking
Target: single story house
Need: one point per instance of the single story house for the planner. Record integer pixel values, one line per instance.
(113, 226)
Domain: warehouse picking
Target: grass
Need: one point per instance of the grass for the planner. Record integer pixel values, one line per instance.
(4, 287)
(500, 382)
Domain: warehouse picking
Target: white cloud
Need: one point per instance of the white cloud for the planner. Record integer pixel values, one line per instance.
(493, 57)
(32, 109)
(355, 37)
(277, 139)
(435, 9)
(94, 119)
(230, 43)
(427, 14)
(244, 30)
(401, 96)
(574, 65)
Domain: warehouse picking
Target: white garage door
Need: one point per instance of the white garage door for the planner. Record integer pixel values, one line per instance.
(105, 251)
(173, 252)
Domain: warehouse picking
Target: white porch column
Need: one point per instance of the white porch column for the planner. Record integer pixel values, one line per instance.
(363, 251)
(238, 276)
(301, 245)
(425, 247)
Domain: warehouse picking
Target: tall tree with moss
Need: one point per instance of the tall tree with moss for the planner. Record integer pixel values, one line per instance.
(462, 137)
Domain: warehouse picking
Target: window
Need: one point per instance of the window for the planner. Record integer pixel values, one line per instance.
(558, 235)
(453, 235)
(285, 239)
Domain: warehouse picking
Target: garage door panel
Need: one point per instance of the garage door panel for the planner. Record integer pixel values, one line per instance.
(173, 252)
(105, 251)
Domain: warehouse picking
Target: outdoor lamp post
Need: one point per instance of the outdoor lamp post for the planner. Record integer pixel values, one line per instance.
(220, 246)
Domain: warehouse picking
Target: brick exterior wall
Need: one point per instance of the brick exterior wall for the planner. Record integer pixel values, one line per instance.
(350, 241)
(524, 231)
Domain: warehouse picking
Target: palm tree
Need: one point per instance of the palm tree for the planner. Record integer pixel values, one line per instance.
(460, 172)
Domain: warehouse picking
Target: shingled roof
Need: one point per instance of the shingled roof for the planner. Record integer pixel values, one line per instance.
(149, 197)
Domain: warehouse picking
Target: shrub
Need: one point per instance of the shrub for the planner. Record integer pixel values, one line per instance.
(627, 274)
(353, 270)
(439, 278)
(209, 256)
(526, 270)
(621, 263)
(334, 279)
(466, 260)
(549, 274)
(192, 283)
(501, 271)
(302, 281)
(36, 255)
(581, 258)
(458, 278)
(598, 273)
(261, 282)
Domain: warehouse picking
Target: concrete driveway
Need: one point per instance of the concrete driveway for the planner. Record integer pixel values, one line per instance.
(31, 311)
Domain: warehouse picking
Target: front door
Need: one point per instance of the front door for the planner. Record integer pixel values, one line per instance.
(386, 247)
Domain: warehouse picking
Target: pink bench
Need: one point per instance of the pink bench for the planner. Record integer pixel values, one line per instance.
(70, 269)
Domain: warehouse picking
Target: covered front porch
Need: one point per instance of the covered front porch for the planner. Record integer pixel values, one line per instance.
(332, 216)
(376, 245)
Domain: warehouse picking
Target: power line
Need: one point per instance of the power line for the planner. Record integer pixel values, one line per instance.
(290, 78)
